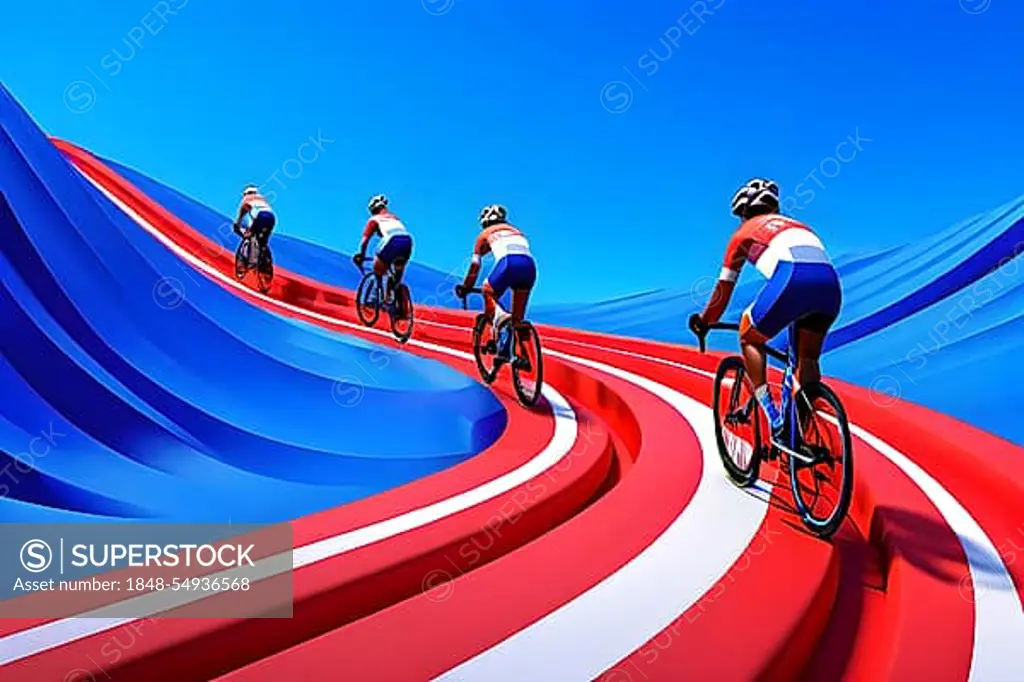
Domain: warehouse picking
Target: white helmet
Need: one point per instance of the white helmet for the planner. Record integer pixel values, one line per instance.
(493, 214)
(250, 189)
(378, 202)
(757, 197)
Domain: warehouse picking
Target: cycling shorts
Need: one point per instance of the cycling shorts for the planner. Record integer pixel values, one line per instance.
(398, 247)
(514, 271)
(262, 225)
(797, 292)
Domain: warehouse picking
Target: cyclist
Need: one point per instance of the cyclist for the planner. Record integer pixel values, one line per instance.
(256, 212)
(395, 246)
(514, 269)
(802, 287)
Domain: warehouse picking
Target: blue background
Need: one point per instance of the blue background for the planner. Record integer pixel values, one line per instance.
(447, 106)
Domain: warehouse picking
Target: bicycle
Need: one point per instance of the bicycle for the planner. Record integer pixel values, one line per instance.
(800, 410)
(263, 262)
(503, 350)
(375, 293)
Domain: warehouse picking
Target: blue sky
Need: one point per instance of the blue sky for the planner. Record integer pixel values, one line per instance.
(604, 154)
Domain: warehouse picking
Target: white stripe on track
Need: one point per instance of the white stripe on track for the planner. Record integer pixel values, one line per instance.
(998, 609)
(998, 619)
(593, 632)
(56, 633)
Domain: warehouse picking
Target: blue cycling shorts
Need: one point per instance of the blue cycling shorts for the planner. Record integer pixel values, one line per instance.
(514, 271)
(263, 224)
(797, 292)
(397, 248)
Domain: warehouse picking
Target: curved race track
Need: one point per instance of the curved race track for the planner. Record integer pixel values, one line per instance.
(598, 538)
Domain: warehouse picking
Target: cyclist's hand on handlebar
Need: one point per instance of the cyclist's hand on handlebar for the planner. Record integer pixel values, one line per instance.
(697, 325)
(358, 259)
(460, 291)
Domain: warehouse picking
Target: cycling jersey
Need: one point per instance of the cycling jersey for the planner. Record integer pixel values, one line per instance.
(253, 205)
(514, 267)
(765, 241)
(501, 240)
(802, 284)
(385, 225)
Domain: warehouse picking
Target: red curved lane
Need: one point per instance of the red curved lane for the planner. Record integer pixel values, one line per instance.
(559, 565)
(946, 458)
(790, 607)
(771, 606)
(980, 469)
(892, 612)
(331, 592)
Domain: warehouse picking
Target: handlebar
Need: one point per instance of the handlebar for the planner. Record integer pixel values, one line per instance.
(701, 330)
(702, 334)
(470, 292)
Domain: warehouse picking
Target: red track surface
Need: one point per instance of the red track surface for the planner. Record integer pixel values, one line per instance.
(891, 597)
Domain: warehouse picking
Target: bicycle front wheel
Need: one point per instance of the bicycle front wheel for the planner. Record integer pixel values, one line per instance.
(822, 490)
(737, 422)
(265, 271)
(368, 297)
(482, 333)
(527, 365)
(241, 261)
(402, 314)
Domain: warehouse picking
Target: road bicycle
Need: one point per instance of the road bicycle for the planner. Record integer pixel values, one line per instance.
(493, 349)
(376, 293)
(251, 256)
(815, 436)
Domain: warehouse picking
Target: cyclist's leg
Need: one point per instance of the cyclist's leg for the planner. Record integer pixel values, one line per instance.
(381, 263)
(493, 288)
(525, 271)
(259, 233)
(810, 339)
(403, 253)
(769, 314)
(267, 222)
(400, 247)
(823, 300)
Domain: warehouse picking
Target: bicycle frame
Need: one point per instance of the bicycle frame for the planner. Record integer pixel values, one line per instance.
(791, 436)
(513, 354)
(385, 281)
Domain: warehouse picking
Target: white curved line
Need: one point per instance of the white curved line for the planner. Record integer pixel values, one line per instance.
(577, 626)
(50, 635)
(591, 633)
(998, 619)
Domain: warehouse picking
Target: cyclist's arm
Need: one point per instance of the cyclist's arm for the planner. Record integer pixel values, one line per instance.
(368, 232)
(480, 249)
(243, 208)
(735, 256)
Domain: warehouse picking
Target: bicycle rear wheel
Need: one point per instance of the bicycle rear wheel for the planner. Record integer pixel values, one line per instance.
(825, 434)
(402, 314)
(737, 422)
(368, 296)
(241, 260)
(528, 366)
(482, 333)
(265, 270)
